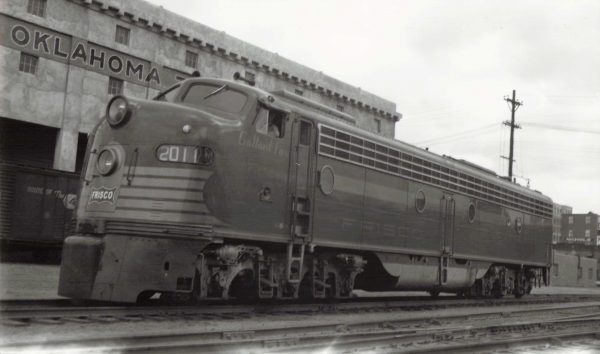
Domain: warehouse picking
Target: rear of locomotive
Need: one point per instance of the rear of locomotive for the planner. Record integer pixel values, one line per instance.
(142, 217)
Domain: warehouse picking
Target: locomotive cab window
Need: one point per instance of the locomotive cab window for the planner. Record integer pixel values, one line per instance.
(270, 122)
(222, 97)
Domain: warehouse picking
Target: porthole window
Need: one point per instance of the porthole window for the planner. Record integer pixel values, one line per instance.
(472, 211)
(420, 201)
(327, 180)
(519, 225)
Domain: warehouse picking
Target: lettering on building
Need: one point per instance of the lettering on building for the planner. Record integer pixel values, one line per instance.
(71, 50)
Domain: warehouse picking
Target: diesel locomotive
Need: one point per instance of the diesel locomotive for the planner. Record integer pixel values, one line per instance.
(216, 189)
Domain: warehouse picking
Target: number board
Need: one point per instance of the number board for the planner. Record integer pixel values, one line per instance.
(197, 155)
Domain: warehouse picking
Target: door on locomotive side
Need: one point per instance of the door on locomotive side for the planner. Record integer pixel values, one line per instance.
(301, 177)
(447, 215)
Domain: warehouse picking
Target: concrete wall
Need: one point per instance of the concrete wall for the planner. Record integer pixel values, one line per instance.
(69, 93)
(572, 270)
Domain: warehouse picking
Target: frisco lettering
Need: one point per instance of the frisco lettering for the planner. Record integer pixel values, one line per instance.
(102, 195)
(84, 53)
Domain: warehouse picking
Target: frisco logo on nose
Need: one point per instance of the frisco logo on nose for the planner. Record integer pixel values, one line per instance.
(103, 194)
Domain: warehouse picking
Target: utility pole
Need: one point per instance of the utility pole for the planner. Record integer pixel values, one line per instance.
(514, 105)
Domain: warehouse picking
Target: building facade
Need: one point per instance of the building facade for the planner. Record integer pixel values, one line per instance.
(581, 228)
(558, 211)
(61, 61)
(573, 270)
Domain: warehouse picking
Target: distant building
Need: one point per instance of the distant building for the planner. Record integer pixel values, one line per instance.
(581, 228)
(578, 250)
(573, 270)
(557, 212)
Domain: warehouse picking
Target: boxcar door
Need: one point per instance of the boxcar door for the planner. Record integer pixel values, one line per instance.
(447, 212)
(300, 187)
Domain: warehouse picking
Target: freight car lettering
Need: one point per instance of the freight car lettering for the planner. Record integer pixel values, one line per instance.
(103, 195)
(35, 190)
(265, 144)
(68, 199)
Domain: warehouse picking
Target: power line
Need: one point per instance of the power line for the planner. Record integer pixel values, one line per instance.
(479, 133)
(562, 128)
(467, 132)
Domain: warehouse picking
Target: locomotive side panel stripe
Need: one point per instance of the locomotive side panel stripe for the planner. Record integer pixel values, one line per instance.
(159, 216)
(161, 205)
(149, 182)
(170, 177)
(171, 172)
(161, 194)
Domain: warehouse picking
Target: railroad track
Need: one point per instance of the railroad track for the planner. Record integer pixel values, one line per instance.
(26, 313)
(432, 330)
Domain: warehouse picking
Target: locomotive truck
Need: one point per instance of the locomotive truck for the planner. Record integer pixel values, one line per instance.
(216, 189)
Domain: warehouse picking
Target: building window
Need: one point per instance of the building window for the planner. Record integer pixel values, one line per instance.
(378, 125)
(587, 219)
(555, 269)
(570, 234)
(298, 92)
(340, 108)
(122, 35)
(115, 86)
(191, 59)
(28, 63)
(37, 7)
(587, 233)
(590, 273)
(570, 219)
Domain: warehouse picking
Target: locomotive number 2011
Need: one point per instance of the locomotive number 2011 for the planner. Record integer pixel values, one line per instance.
(184, 154)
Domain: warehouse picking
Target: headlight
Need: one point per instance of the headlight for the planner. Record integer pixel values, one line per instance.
(107, 162)
(118, 111)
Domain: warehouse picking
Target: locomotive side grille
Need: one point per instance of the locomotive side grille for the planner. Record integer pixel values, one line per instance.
(359, 151)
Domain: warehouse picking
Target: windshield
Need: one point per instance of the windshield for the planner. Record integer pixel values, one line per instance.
(168, 95)
(221, 97)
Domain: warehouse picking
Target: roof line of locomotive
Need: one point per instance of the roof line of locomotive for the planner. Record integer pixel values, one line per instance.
(286, 101)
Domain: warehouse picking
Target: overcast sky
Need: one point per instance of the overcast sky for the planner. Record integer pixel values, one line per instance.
(448, 65)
